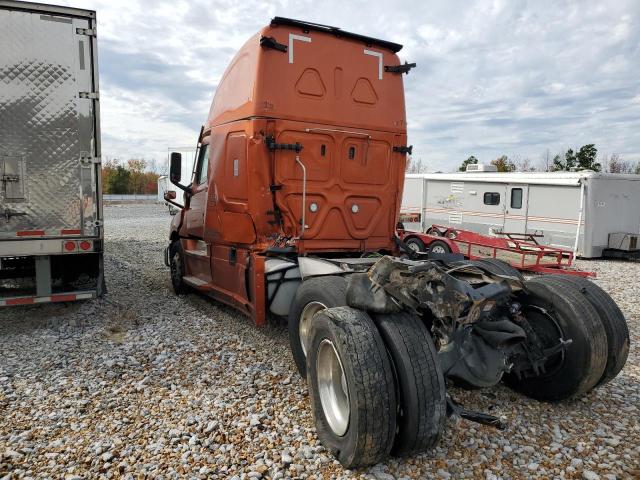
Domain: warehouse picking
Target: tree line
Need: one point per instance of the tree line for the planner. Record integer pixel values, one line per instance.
(129, 178)
(584, 158)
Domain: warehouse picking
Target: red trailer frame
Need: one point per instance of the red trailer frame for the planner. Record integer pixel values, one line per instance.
(525, 255)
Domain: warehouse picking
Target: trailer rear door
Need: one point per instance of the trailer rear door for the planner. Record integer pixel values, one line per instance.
(48, 126)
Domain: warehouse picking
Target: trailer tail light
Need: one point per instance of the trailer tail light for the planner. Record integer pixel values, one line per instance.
(69, 246)
(85, 245)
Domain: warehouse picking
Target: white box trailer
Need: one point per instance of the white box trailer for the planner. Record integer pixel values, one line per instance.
(163, 187)
(51, 233)
(574, 210)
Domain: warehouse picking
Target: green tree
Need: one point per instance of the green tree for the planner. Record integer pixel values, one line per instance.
(569, 160)
(469, 161)
(586, 158)
(557, 164)
(503, 164)
(119, 180)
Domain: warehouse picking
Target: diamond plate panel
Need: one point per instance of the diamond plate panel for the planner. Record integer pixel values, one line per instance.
(43, 121)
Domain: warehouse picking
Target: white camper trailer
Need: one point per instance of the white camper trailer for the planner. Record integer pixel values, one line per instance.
(581, 211)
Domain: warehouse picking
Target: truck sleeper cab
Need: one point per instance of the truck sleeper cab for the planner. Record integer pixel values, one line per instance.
(292, 209)
(306, 124)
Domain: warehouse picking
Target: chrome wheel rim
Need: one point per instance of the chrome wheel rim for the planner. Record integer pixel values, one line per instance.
(332, 388)
(413, 246)
(438, 249)
(304, 326)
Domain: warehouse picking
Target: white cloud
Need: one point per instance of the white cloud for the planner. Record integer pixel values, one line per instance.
(494, 77)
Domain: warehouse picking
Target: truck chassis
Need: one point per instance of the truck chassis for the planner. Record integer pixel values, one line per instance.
(291, 211)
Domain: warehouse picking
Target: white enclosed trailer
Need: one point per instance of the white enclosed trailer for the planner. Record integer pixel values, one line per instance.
(580, 211)
(163, 187)
(50, 186)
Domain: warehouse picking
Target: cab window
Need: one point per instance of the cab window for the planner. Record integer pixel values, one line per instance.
(203, 165)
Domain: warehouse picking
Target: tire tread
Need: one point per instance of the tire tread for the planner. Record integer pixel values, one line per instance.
(413, 350)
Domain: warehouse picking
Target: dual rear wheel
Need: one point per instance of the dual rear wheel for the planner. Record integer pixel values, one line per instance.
(375, 382)
(567, 307)
(375, 385)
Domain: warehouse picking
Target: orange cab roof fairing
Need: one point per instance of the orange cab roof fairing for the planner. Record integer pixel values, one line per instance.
(327, 77)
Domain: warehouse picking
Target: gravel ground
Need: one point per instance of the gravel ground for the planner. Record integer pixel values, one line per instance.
(144, 383)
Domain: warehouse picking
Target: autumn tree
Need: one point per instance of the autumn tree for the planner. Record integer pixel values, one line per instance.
(503, 164)
(133, 178)
(136, 167)
(109, 168)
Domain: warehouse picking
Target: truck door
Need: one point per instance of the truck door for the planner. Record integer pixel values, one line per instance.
(194, 215)
(515, 209)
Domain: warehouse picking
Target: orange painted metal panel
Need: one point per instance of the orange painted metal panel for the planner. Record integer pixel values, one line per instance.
(331, 95)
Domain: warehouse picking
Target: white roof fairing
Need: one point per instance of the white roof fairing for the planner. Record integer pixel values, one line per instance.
(538, 178)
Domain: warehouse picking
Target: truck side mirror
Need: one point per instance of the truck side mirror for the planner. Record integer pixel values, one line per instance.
(175, 170)
(170, 195)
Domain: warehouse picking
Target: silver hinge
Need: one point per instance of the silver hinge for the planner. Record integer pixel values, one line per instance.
(90, 95)
(93, 224)
(91, 32)
(86, 160)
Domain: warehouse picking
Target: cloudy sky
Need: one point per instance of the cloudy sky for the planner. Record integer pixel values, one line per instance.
(494, 77)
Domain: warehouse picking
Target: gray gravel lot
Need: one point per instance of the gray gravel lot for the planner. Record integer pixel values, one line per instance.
(144, 383)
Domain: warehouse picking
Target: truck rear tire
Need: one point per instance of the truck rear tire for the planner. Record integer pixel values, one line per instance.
(615, 325)
(351, 386)
(498, 267)
(177, 268)
(420, 383)
(312, 296)
(557, 311)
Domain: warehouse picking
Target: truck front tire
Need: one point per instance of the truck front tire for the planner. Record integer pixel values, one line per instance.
(312, 296)
(176, 264)
(351, 386)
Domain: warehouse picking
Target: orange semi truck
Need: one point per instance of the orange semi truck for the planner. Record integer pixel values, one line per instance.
(291, 211)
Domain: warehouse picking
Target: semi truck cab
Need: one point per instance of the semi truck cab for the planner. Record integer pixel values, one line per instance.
(302, 155)
(292, 209)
